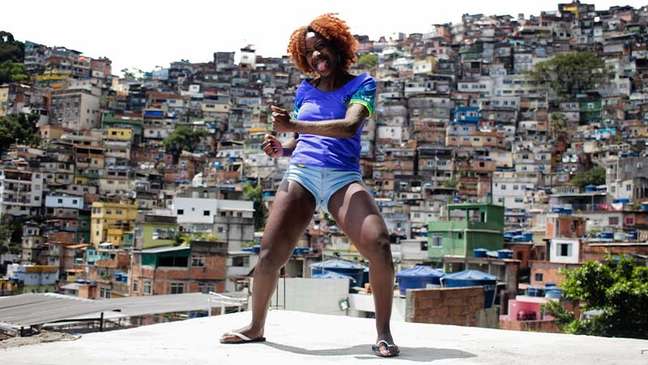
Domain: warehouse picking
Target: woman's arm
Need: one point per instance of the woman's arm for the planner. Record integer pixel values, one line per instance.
(337, 128)
(289, 147)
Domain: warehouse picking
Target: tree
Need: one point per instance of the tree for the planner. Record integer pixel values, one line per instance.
(614, 291)
(255, 194)
(11, 50)
(558, 124)
(18, 128)
(183, 138)
(593, 176)
(568, 74)
(10, 234)
(368, 60)
(12, 72)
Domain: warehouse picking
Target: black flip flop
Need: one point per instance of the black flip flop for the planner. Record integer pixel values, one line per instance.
(391, 348)
(243, 338)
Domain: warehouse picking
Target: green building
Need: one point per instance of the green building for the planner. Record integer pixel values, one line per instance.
(590, 110)
(469, 226)
(155, 231)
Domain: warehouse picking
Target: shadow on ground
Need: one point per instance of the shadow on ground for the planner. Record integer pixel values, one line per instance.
(363, 352)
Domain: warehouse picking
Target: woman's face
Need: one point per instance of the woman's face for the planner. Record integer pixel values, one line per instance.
(320, 56)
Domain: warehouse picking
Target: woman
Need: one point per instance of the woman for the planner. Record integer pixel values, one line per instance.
(324, 172)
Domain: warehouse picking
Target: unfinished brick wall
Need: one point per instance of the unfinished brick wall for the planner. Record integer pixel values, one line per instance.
(455, 306)
(533, 326)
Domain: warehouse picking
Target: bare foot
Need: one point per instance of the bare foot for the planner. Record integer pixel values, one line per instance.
(385, 346)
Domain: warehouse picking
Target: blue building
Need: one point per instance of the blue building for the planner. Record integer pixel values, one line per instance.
(466, 115)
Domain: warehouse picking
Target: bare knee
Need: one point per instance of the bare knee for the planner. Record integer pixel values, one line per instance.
(377, 247)
(269, 261)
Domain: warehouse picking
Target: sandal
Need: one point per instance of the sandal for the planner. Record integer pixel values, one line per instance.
(392, 349)
(239, 338)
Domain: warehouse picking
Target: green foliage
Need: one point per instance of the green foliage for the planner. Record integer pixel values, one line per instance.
(255, 194)
(569, 74)
(617, 288)
(593, 176)
(18, 128)
(12, 72)
(11, 50)
(10, 234)
(368, 60)
(451, 183)
(183, 138)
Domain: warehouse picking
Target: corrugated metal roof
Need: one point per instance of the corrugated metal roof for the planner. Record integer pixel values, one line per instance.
(36, 309)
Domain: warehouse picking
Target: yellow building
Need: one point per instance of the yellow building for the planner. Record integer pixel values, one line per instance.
(118, 134)
(110, 221)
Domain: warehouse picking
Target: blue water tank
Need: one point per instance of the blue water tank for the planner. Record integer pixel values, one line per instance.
(333, 275)
(365, 276)
(480, 252)
(349, 268)
(473, 278)
(606, 235)
(553, 292)
(504, 254)
(418, 277)
(534, 292)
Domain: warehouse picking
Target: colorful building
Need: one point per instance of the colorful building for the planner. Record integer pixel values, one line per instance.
(468, 226)
(110, 221)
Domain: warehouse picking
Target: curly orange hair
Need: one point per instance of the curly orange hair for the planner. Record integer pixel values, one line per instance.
(334, 30)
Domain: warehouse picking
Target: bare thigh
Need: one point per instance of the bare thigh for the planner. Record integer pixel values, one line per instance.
(291, 212)
(355, 211)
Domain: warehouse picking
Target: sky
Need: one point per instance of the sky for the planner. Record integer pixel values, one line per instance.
(145, 34)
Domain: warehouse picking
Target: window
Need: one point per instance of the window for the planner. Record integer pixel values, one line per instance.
(197, 261)
(180, 211)
(437, 241)
(564, 249)
(135, 285)
(104, 293)
(538, 276)
(613, 221)
(147, 287)
(176, 288)
(206, 213)
(241, 261)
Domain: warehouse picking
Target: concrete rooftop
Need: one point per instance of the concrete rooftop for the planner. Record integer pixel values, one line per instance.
(299, 338)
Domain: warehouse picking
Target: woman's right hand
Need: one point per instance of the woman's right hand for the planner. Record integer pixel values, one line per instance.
(271, 146)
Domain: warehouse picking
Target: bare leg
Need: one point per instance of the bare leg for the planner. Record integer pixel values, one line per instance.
(291, 212)
(357, 214)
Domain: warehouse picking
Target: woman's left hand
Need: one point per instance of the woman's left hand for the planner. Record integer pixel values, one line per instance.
(281, 120)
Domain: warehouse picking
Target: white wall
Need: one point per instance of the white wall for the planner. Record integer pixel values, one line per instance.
(74, 202)
(573, 253)
(194, 209)
(320, 296)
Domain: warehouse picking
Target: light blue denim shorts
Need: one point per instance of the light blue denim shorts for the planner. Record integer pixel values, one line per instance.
(321, 182)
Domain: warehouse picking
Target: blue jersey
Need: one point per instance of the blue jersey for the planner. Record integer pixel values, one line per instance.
(314, 105)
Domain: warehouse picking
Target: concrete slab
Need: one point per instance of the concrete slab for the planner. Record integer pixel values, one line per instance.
(299, 338)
